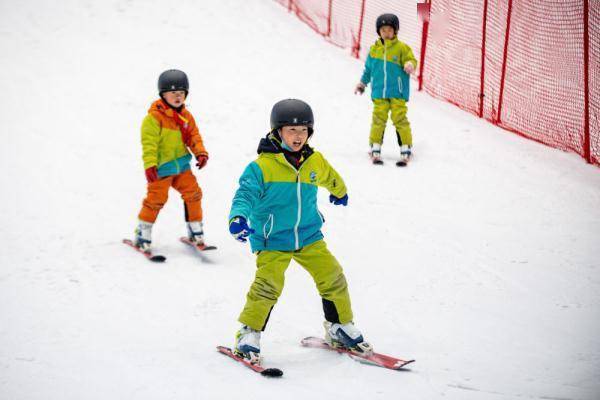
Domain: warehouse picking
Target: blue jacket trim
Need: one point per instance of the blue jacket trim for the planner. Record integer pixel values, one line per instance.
(175, 167)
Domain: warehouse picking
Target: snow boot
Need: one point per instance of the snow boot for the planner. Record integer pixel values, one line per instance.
(196, 232)
(247, 344)
(405, 153)
(143, 236)
(346, 336)
(375, 153)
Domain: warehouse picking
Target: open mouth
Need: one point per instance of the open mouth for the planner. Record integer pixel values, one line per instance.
(297, 143)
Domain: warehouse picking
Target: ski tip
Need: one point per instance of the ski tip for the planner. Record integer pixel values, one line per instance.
(223, 348)
(272, 372)
(402, 365)
(187, 241)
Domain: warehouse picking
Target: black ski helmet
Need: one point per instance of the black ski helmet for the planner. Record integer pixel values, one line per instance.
(387, 19)
(173, 79)
(290, 112)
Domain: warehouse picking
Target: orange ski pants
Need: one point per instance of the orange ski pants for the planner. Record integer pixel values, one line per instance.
(158, 193)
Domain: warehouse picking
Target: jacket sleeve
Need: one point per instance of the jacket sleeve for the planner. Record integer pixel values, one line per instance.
(150, 139)
(407, 55)
(196, 144)
(331, 180)
(366, 76)
(251, 189)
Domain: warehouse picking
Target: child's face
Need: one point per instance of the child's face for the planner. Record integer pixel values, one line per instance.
(174, 98)
(387, 32)
(294, 136)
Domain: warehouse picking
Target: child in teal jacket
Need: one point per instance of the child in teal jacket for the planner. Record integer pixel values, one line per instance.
(388, 67)
(278, 197)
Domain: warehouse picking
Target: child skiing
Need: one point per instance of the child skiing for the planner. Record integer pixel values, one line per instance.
(388, 66)
(168, 131)
(278, 197)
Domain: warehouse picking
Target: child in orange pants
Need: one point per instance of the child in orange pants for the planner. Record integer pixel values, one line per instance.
(169, 134)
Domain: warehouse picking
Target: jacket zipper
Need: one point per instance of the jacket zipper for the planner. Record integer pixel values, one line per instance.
(299, 194)
(299, 198)
(384, 69)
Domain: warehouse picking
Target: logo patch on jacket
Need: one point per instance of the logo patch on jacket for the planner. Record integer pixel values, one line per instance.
(313, 177)
(395, 58)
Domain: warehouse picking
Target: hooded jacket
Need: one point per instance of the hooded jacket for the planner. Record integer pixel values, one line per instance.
(280, 201)
(163, 145)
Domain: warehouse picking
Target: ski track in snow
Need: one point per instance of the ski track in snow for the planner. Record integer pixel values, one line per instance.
(480, 259)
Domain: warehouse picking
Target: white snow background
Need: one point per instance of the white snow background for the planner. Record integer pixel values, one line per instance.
(480, 259)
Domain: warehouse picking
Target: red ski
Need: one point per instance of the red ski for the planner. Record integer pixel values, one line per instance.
(148, 255)
(270, 372)
(202, 247)
(380, 360)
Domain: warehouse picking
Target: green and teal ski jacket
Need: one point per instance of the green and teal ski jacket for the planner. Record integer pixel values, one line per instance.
(384, 68)
(280, 200)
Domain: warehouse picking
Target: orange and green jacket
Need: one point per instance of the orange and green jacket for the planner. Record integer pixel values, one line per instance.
(163, 143)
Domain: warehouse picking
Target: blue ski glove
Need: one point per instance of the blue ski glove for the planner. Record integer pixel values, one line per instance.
(339, 200)
(239, 229)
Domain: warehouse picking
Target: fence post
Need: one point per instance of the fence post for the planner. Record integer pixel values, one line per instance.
(503, 78)
(423, 10)
(329, 19)
(586, 83)
(356, 49)
(482, 75)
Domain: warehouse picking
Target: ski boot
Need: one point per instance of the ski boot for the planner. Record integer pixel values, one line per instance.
(247, 344)
(375, 153)
(405, 155)
(196, 232)
(143, 236)
(346, 336)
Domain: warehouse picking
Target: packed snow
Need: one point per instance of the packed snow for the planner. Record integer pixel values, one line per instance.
(480, 259)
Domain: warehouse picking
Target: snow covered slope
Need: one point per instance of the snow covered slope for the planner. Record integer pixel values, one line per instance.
(480, 259)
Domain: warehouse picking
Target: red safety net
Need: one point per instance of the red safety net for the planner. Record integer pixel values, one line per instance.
(521, 65)
(351, 23)
(594, 82)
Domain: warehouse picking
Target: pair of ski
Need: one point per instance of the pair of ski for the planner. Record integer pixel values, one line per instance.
(160, 258)
(376, 359)
(379, 161)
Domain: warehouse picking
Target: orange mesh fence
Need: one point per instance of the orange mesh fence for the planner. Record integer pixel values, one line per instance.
(530, 67)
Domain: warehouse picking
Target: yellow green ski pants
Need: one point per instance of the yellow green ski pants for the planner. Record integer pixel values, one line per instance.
(381, 109)
(268, 284)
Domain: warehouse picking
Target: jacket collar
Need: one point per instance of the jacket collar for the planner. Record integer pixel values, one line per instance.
(272, 144)
(161, 106)
(386, 43)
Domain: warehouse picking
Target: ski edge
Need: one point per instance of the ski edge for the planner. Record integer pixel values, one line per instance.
(268, 372)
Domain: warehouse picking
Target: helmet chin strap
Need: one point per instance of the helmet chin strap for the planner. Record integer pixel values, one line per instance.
(283, 144)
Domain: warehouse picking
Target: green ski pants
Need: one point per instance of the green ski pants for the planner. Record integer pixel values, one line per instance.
(381, 109)
(268, 284)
